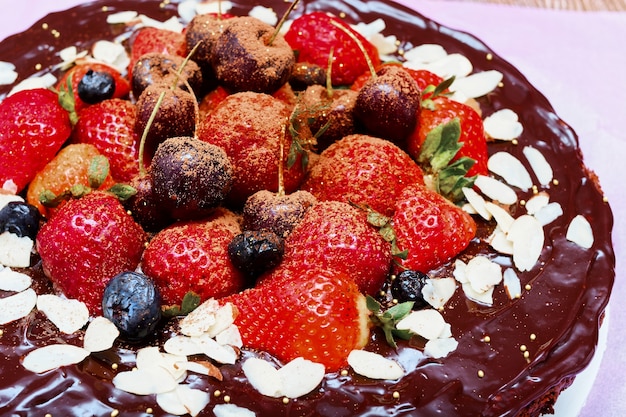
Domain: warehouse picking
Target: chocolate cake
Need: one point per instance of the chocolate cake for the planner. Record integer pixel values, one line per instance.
(513, 357)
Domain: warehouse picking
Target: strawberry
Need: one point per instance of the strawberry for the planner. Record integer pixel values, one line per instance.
(33, 127)
(251, 128)
(69, 168)
(88, 242)
(110, 127)
(122, 86)
(441, 110)
(429, 228)
(315, 35)
(422, 77)
(312, 312)
(193, 256)
(150, 39)
(364, 170)
(336, 236)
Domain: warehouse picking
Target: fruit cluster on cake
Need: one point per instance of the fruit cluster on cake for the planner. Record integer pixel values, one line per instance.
(331, 208)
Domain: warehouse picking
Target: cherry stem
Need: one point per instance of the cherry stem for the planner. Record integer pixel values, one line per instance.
(329, 71)
(282, 21)
(281, 168)
(359, 44)
(144, 135)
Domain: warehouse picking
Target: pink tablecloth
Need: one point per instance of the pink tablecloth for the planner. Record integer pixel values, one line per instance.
(577, 60)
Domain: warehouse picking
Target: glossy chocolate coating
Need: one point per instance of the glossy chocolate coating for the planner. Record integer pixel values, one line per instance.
(569, 288)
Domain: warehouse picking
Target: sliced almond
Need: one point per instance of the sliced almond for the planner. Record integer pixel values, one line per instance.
(527, 236)
(204, 7)
(100, 335)
(150, 357)
(477, 84)
(579, 231)
(53, 356)
(264, 14)
(150, 380)
(511, 169)
(438, 291)
(183, 400)
(263, 377)
(17, 306)
(537, 202)
(45, 81)
(230, 336)
(500, 242)
(477, 202)
(496, 190)
(425, 53)
(440, 348)
(8, 75)
(485, 298)
(549, 213)
(15, 251)
(428, 323)
(300, 376)
(512, 284)
(483, 274)
(459, 271)
(224, 318)
(67, 315)
(232, 410)
(201, 319)
(502, 217)
(503, 125)
(374, 365)
(121, 17)
(540, 166)
(203, 368)
(11, 280)
(456, 65)
(111, 53)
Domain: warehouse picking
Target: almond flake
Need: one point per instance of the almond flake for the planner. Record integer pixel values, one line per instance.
(502, 217)
(540, 166)
(230, 336)
(477, 84)
(203, 368)
(459, 271)
(45, 81)
(100, 335)
(451, 65)
(477, 202)
(150, 357)
(151, 380)
(224, 318)
(300, 376)
(111, 53)
(500, 242)
(579, 231)
(438, 291)
(512, 284)
(7, 198)
(425, 53)
(17, 306)
(428, 323)
(537, 202)
(483, 274)
(485, 298)
(496, 190)
(503, 125)
(201, 319)
(11, 280)
(263, 377)
(121, 17)
(15, 251)
(183, 400)
(232, 410)
(67, 315)
(185, 345)
(511, 169)
(440, 348)
(374, 365)
(204, 6)
(264, 14)
(549, 213)
(527, 236)
(8, 75)
(53, 356)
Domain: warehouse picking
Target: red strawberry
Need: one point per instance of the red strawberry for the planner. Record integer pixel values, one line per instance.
(193, 256)
(33, 127)
(110, 127)
(314, 313)
(336, 236)
(122, 86)
(430, 228)
(442, 110)
(250, 127)
(69, 168)
(87, 243)
(314, 35)
(150, 39)
(364, 170)
(423, 78)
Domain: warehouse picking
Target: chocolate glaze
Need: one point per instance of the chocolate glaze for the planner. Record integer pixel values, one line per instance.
(570, 285)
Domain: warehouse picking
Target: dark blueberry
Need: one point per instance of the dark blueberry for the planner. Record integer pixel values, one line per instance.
(133, 303)
(407, 286)
(96, 86)
(20, 218)
(256, 251)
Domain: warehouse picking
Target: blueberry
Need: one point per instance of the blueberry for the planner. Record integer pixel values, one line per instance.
(407, 286)
(96, 86)
(256, 251)
(20, 218)
(133, 303)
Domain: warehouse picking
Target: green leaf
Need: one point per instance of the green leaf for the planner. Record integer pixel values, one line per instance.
(400, 311)
(123, 191)
(98, 171)
(67, 100)
(190, 302)
(371, 304)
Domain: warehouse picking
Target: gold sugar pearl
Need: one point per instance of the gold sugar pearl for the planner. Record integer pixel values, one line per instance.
(226, 398)
(515, 142)
(527, 354)
(523, 348)
(396, 395)
(114, 366)
(149, 410)
(344, 372)
(45, 26)
(285, 400)
(533, 336)
(527, 287)
(489, 56)
(487, 339)
(115, 413)
(38, 67)
(555, 181)
(217, 393)
(48, 415)
(481, 373)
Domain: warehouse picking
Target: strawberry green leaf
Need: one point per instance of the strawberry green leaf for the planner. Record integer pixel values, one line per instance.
(387, 320)
(190, 302)
(123, 191)
(67, 100)
(98, 171)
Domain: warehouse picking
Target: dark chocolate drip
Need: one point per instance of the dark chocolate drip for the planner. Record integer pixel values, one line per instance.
(570, 286)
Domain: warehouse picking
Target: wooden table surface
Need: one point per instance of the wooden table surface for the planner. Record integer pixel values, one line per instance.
(603, 5)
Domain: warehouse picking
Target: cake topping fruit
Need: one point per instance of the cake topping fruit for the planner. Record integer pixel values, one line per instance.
(256, 251)
(96, 86)
(408, 286)
(20, 218)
